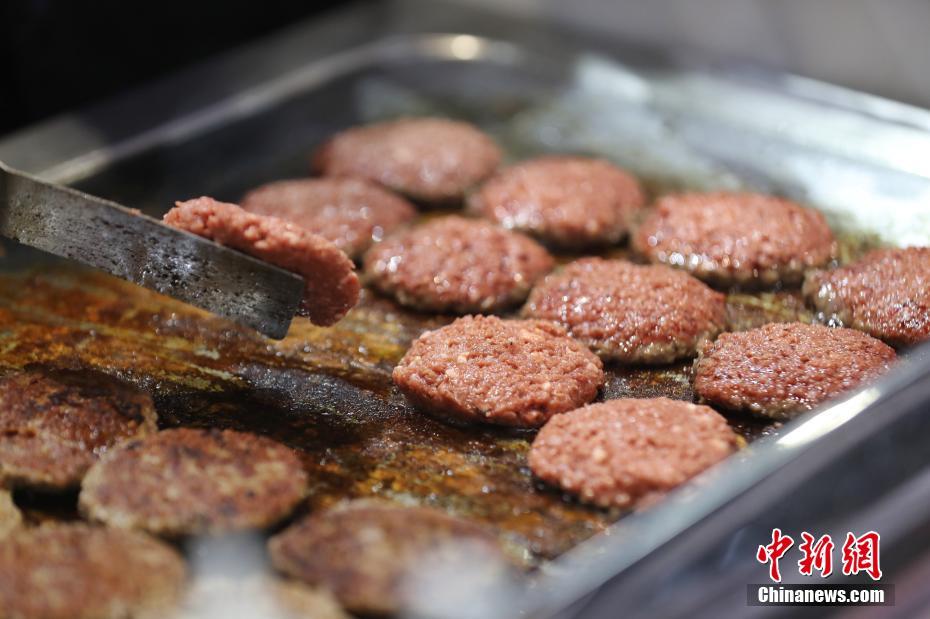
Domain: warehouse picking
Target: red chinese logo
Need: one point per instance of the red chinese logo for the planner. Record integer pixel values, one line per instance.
(816, 555)
(860, 554)
(773, 552)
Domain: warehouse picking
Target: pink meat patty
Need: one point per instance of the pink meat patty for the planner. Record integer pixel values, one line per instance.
(428, 159)
(780, 370)
(332, 285)
(352, 213)
(886, 294)
(630, 313)
(504, 372)
(454, 264)
(623, 452)
(564, 201)
(735, 238)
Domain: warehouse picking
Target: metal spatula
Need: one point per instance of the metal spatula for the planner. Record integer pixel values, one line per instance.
(140, 249)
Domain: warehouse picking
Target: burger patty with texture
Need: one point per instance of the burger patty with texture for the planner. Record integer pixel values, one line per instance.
(728, 239)
(630, 313)
(782, 369)
(504, 372)
(55, 423)
(432, 160)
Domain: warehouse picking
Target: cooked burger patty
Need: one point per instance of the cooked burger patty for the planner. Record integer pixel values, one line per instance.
(735, 238)
(55, 423)
(428, 159)
(885, 294)
(566, 201)
(332, 286)
(10, 518)
(505, 372)
(350, 212)
(630, 313)
(185, 481)
(459, 265)
(623, 452)
(258, 597)
(780, 370)
(77, 571)
(370, 554)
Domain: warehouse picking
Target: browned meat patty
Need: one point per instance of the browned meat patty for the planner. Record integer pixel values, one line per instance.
(370, 554)
(459, 265)
(621, 453)
(630, 313)
(886, 294)
(780, 370)
(76, 571)
(10, 517)
(432, 160)
(258, 597)
(55, 423)
(332, 285)
(735, 238)
(505, 372)
(186, 481)
(570, 202)
(350, 212)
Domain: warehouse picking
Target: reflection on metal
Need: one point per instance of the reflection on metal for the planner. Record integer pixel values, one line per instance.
(466, 47)
(828, 420)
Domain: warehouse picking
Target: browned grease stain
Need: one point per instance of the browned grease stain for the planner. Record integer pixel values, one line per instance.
(327, 392)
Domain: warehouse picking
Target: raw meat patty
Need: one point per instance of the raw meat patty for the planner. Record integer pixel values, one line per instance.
(432, 160)
(625, 452)
(570, 202)
(735, 238)
(780, 370)
(352, 213)
(630, 313)
(505, 372)
(332, 286)
(458, 265)
(886, 294)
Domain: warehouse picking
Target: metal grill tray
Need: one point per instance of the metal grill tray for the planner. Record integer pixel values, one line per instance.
(255, 116)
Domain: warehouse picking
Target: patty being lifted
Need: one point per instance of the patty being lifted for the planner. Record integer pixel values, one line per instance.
(885, 294)
(630, 313)
(735, 238)
(565, 201)
(505, 372)
(780, 370)
(10, 517)
(54, 424)
(459, 265)
(372, 555)
(332, 286)
(350, 212)
(621, 453)
(76, 571)
(432, 160)
(186, 481)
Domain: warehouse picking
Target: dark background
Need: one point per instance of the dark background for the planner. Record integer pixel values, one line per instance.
(59, 55)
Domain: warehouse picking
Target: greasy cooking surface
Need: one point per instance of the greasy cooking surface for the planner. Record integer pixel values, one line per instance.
(326, 392)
